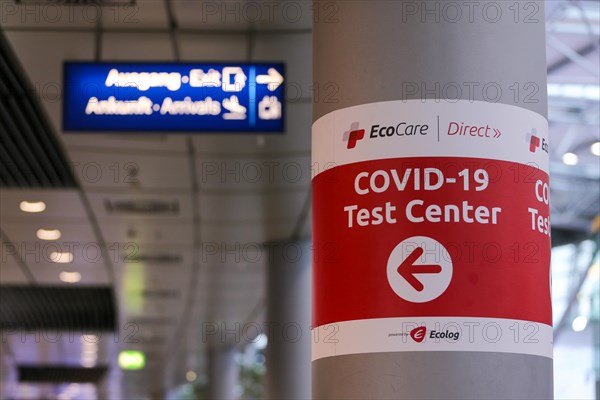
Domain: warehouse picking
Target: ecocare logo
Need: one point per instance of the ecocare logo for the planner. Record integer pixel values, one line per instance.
(382, 131)
(535, 142)
(353, 135)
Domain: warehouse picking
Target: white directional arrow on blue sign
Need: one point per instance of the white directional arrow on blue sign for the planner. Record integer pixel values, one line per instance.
(273, 79)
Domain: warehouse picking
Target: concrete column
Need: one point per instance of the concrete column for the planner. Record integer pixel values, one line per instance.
(8, 377)
(369, 50)
(288, 321)
(223, 373)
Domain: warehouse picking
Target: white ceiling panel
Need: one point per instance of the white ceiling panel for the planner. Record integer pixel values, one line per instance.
(10, 272)
(149, 232)
(48, 15)
(156, 308)
(226, 271)
(211, 15)
(206, 47)
(130, 171)
(167, 312)
(295, 50)
(134, 254)
(241, 15)
(139, 277)
(267, 207)
(146, 14)
(244, 233)
(136, 331)
(137, 47)
(42, 56)
(12, 275)
(257, 173)
(99, 201)
(146, 290)
(288, 14)
(152, 143)
(294, 141)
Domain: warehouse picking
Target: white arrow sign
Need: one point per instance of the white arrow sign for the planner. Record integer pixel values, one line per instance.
(274, 79)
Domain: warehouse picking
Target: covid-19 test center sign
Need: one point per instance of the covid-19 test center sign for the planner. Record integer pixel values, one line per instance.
(431, 229)
(173, 97)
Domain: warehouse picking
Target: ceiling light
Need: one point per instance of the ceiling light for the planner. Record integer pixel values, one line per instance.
(89, 358)
(63, 257)
(48, 234)
(579, 323)
(88, 363)
(596, 149)
(574, 91)
(32, 206)
(89, 340)
(570, 159)
(191, 376)
(70, 277)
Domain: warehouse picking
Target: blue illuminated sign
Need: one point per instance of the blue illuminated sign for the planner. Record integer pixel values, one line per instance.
(173, 97)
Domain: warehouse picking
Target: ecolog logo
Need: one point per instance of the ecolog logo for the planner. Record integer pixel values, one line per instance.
(418, 334)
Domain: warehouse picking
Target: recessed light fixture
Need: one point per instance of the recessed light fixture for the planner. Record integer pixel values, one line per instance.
(570, 159)
(89, 350)
(88, 363)
(32, 206)
(48, 234)
(191, 376)
(579, 323)
(61, 257)
(70, 277)
(595, 149)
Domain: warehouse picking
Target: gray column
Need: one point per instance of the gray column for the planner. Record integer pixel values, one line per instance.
(288, 321)
(370, 50)
(8, 376)
(223, 373)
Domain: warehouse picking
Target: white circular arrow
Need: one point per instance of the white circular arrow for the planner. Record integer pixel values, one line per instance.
(419, 269)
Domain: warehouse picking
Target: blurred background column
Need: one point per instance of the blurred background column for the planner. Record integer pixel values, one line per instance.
(288, 321)
(9, 384)
(223, 373)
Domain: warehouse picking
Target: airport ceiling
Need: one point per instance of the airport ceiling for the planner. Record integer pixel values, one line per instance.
(172, 222)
